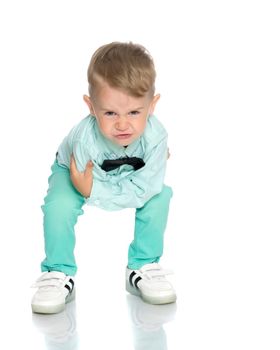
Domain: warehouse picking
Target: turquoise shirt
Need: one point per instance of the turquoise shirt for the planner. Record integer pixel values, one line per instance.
(122, 187)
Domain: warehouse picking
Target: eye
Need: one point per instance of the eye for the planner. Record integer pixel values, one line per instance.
(110, 114)
(134, 113)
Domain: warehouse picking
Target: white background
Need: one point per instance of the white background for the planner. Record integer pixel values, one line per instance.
(219, 79)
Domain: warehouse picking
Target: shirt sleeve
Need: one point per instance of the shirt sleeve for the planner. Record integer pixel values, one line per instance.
(135, 189)
(78, 149)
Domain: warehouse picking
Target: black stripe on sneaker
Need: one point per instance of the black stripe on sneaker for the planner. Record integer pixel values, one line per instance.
(137, 281)
(133, 273)
(72, 282)
(67, 287)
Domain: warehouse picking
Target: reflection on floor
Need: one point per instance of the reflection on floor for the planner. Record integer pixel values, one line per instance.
(60, 329)
(147, 322)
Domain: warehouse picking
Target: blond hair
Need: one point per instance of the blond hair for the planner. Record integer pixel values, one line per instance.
(124, 66)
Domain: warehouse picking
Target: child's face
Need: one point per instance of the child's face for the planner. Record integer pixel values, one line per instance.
(120, 117)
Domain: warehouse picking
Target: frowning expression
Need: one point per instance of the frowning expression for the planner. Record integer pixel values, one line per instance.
(121, 118)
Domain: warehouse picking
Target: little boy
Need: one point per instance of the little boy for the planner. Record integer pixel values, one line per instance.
(115, 158)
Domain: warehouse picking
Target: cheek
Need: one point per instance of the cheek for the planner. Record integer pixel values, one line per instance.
(139, 125)
(105, 125)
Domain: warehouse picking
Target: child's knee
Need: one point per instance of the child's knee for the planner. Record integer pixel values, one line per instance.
(61, 204)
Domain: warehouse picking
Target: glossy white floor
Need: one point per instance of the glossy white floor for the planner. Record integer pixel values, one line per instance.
(226, 276)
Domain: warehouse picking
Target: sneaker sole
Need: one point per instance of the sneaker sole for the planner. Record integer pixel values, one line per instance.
(52, 309)
(168, 299)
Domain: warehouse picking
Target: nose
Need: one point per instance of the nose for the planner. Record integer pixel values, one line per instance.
(121, 124)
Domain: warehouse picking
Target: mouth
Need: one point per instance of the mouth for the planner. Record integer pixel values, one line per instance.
(123, 136)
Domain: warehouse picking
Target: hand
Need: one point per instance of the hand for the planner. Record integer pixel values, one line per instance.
(82, 181)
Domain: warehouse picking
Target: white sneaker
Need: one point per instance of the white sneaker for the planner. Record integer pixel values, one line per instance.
(54, 290)
(150, 284)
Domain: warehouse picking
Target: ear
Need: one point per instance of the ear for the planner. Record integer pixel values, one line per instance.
(89, 104)
(153, 103)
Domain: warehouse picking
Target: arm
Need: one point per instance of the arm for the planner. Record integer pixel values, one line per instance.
(76, 157)
(82, 181)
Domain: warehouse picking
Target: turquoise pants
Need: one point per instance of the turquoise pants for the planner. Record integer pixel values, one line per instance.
(62, 206)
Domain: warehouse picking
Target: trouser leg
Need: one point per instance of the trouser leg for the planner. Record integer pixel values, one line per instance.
(62, 206)
(150, 224)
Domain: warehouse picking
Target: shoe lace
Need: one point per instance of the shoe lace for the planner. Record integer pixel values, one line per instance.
(154, 271)
(49, 279)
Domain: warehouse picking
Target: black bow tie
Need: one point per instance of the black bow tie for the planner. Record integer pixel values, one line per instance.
(111, 164)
